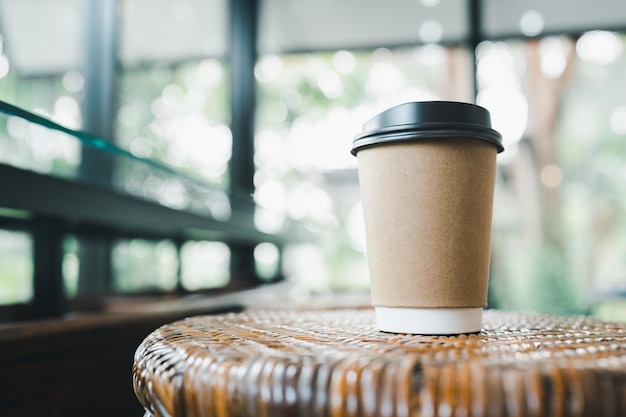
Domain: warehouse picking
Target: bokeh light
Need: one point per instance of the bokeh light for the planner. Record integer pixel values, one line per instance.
(204, 265)
(599, 47)
(330, 84)
(500, 93)
(153, 265)
(531, 23)
(618, 120)
(268, 68)
(4, 66)
(356, 227)
(16, 267)
(384, 79)
(553, 56)
(267, 260)
(344, 62)
(430, 31)
(73, 81)
(551, 175)
(209, 73)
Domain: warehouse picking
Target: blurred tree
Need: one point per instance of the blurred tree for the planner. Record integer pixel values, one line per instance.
(537, 179)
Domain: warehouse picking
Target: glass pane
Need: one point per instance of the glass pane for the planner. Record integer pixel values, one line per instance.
(205, 265)
(310, 108)
(38, 144)
(38, 75)
(177, 115)
(173, 89)
(16, 268)
(30, 146)
(559, 221)
(193, 137)
(141, 265)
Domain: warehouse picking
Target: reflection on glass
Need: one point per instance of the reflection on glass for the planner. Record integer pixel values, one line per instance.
(36, 143)
(30, 146)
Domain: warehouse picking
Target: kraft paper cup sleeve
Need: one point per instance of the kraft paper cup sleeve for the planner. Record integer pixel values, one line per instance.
(428, 213)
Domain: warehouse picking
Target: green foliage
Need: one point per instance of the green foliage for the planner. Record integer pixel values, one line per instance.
(552, 287)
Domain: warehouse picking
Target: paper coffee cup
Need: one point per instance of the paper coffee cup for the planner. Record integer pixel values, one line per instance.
(426, 174)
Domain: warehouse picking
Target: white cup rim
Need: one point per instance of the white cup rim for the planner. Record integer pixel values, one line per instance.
(430, 321)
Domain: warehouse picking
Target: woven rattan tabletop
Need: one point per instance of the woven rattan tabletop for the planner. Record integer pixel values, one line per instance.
(335, 363)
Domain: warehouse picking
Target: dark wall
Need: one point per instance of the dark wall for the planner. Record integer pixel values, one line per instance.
(79, 367)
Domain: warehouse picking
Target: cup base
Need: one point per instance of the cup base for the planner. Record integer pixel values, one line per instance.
(431, 321)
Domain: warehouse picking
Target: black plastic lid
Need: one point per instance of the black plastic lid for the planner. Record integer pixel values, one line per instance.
(428, 119)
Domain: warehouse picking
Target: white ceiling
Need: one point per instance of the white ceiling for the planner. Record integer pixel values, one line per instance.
(294, 25)
(46, 36)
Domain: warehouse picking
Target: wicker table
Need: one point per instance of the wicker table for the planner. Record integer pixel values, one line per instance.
(334, 363)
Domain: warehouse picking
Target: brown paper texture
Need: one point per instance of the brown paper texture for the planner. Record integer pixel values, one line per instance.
(428, 208)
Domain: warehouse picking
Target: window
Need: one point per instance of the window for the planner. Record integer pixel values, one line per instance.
(205, 265)
(16, 267)
(311, 105)
(562, 171)
(135, 186)
(153, 266)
